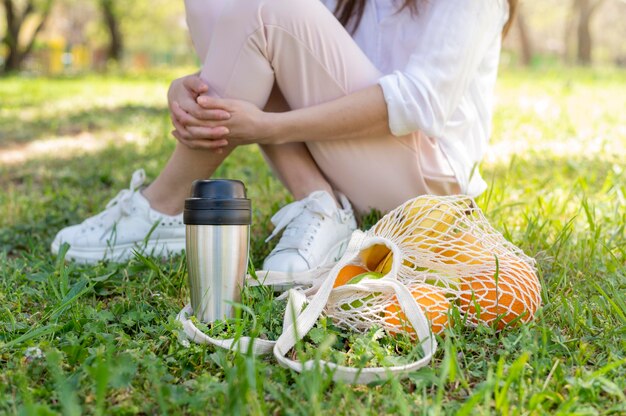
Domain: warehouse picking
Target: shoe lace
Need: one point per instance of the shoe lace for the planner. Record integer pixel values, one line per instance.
(121, 205)
(301, 219)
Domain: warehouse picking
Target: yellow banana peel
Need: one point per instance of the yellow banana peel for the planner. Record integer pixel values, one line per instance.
(384, 266)
(373, 255)
(432, 226)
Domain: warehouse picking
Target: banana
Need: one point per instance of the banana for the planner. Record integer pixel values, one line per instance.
(463, 247)
(407, 215)
(373, 255)
(427, 223)
(384, 266)
(435, 223)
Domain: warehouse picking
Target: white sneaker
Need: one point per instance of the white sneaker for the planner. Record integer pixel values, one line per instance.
(127, 224)
(317, 233)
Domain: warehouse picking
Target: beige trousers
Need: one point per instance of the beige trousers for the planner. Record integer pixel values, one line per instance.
(248, 45)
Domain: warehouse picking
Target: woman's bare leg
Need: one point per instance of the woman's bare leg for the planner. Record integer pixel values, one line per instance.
(296, 169)
(168, 191)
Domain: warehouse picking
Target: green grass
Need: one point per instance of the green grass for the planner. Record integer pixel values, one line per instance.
(104, 340)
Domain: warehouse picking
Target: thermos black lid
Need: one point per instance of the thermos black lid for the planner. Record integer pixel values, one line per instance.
(217, 202)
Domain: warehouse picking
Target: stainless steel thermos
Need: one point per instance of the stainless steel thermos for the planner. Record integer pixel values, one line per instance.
(217, 218)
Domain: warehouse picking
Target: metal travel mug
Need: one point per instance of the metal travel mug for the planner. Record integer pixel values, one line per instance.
(217, 218)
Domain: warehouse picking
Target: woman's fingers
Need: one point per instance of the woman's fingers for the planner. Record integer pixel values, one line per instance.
(194, 133)
(188, 128)
(200, 133)
(180, 129)
(212, 114)
(212, 103)
(214, 145)
(194, 83)
(180, 116)
(184, 117)
(201, 114)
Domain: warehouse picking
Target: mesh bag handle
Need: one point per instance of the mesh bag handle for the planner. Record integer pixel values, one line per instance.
(307, 319)
(295, 302)
(279, 280)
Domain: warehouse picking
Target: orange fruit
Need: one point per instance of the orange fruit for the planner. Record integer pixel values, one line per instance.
(517, 294)
(433, 301)
(347, 273)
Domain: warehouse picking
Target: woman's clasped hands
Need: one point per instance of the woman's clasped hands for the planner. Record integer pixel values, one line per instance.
(204, 122)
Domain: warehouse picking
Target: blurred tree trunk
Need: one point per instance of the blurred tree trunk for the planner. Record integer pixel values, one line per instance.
(111, 21)
(18, 51)
(524, 36)
(586, 9)
(568, 34)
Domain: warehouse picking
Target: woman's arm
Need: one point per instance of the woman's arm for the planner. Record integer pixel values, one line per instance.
(361, 114)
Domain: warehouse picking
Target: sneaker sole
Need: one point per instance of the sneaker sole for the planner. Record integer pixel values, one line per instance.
(121, 252)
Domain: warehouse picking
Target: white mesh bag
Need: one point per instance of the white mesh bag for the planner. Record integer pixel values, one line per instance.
(444, 251)
(420, 260)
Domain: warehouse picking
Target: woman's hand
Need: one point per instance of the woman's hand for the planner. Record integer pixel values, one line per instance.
(194, 124)
(246, 124)
(361, 114)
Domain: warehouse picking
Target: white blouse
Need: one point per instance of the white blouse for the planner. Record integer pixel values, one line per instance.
(441, 67)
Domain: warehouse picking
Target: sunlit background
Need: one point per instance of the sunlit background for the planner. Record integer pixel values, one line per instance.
(62, 37)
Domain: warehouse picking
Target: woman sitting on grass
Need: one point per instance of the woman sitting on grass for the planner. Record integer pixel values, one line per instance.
(354, 103)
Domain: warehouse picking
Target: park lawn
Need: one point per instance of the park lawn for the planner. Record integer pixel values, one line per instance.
(103, 339)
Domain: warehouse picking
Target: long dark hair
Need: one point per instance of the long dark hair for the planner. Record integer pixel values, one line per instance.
(350, 12)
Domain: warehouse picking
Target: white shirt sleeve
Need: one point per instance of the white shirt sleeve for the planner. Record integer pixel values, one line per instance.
(454, 36)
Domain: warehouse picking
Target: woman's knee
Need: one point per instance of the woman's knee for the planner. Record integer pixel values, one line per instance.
(210, 10)
(281, 11)
(274, 11)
